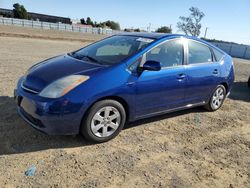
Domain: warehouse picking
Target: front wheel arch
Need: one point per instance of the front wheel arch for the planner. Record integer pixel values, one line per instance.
(86, 124)
(123, 102)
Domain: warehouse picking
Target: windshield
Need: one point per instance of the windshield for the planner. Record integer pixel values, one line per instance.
(112, 50)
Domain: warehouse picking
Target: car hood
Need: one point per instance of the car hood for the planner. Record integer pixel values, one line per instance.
(44, 73)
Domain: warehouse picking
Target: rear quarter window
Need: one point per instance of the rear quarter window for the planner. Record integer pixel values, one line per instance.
(218, 55)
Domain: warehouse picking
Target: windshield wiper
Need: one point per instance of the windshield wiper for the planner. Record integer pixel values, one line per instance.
(90, 58)
(81, 57)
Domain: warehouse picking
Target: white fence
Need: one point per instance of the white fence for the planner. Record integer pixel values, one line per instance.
(56, 26)
(235, 50)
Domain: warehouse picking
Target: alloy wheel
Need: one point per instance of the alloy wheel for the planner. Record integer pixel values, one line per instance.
(217, 98)
(105, 121)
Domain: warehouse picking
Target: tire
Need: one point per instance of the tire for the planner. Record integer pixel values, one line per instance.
(217, 97)
(103, 121)
(249, 81)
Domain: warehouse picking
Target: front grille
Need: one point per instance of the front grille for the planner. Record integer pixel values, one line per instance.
(31, 119)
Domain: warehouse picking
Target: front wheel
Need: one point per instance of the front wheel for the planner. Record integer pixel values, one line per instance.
(217, 98)
(103, 121)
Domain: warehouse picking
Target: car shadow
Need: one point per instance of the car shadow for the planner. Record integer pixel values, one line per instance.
(240, 91)
(165, 116)
(16, 136)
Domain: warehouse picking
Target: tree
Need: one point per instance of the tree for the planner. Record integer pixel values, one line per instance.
(19, 11)
(164, 29)
(83, 21)
(127, 30)
(95, 24)
(112, 25)
(132, 30)
(137, 30)
(191, 25)
(89, 21)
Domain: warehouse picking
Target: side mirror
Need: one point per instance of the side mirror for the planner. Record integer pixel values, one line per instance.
(151, 66)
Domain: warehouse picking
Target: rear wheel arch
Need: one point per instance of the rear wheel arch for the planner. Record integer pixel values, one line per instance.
(225, 85)
(208, 106)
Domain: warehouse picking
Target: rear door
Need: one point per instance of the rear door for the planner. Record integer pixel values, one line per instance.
(203, 73)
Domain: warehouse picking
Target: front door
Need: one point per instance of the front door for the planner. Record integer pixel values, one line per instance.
(163, 90)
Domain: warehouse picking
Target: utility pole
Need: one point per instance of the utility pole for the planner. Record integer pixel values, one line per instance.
(149, 27)
(170, 27)
(205, 33)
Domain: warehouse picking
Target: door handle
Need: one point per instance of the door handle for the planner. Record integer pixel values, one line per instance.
(181, 77)
(215, 71)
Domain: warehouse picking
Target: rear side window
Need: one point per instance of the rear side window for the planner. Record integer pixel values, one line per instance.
(198, 53)
(218, 55)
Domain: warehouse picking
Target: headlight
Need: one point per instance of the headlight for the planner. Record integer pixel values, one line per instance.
(62, 86)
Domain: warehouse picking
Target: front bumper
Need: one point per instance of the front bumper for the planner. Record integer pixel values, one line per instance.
(53, 117)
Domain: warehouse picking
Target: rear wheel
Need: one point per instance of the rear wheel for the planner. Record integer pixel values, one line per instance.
(104, 121)
(217, 98)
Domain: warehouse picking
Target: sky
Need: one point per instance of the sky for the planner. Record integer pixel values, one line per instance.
(225, 19)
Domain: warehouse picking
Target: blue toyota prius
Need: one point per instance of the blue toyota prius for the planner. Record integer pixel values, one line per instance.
(97, 89)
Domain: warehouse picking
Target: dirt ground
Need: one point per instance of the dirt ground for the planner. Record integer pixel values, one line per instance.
(26, 32)
(191, 148)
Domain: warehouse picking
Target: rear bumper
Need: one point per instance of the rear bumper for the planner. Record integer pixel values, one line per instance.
(53, 117)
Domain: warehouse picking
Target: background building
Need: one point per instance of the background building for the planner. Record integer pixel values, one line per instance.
(36, 16)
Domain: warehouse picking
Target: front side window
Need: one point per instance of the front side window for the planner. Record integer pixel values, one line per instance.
(198, 53)
(169, 54)
(112, 50)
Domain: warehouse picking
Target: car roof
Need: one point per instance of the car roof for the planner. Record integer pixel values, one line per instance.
(157, 36)
(149, 35)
